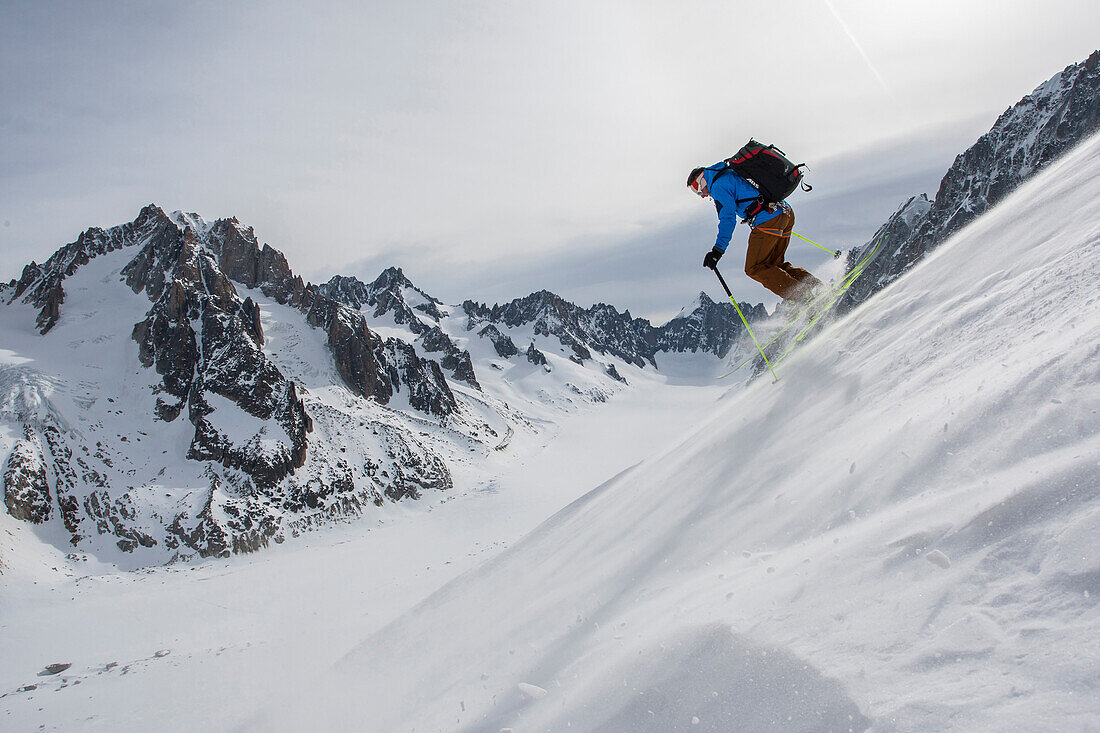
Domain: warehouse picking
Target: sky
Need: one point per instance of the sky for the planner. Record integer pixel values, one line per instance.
(496, 148)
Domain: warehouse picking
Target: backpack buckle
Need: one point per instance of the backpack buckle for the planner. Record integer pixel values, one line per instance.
(755, 208)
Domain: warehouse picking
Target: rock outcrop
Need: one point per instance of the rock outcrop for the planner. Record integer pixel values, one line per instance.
(709, 327)
(26, 485)
(265, 475)
(502, 344)
(535, 356)
(1025, 139)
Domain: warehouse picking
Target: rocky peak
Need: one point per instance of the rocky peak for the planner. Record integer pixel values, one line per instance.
(42, 285)
(392, 279)
(243, 259)
(704, 325)
(251, 428)
(388, 294)
(1026, 138)
(605, 330)
(350, 291)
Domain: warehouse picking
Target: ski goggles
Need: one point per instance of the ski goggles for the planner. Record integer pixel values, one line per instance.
(699, 186)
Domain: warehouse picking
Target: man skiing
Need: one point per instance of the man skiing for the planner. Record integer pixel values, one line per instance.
(771, 224)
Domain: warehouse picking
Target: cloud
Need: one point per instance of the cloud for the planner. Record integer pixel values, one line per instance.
(656, 270)
(473, 137)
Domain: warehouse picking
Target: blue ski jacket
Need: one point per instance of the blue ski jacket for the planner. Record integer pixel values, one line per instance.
(732, 195)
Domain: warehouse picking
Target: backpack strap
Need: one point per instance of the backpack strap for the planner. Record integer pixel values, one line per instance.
(756, 208)
(758, 201)
(722, 171)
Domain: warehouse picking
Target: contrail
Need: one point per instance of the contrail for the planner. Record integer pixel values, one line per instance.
(844, 26)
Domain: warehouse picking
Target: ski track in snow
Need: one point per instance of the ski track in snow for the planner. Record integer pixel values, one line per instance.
(900, 535)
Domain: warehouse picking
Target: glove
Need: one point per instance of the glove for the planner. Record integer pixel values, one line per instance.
(712, 258)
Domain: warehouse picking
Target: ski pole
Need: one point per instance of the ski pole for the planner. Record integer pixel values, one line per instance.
(744, 320)
(834, 253)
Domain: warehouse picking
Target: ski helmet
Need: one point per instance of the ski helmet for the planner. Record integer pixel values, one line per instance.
(697, 183)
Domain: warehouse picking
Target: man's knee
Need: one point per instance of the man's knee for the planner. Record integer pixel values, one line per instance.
(757, 271)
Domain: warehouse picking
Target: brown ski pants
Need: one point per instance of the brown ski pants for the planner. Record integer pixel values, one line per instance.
(764, 259)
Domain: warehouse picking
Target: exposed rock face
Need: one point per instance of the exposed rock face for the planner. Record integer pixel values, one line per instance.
(428, 390)
(251, 426)
(709, 327)
(41, 285)
(223, 358)
(250, 319)
(1025, 139)
(386, 295)
(242, 260)
(115, 517)
(378, 369)
(371, 367)
(457, 361)
(503, 345)
(353, 347)
(389, 295)
(614, 374)
(26, 487)
(416, 470)
(535, 356)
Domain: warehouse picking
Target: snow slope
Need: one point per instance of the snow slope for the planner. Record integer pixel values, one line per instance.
(103, 467)
(237, 628)
(901, 535)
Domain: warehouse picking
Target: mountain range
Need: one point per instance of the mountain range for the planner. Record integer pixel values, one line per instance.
(174, 389)
(170, 388)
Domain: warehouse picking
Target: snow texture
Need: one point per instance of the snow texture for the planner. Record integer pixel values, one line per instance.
(746, 577)
(900, 535)
(245, 406)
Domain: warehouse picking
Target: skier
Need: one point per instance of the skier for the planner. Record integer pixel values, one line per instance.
(771, 225)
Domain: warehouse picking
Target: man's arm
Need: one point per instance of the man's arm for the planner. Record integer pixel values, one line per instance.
(727, 221)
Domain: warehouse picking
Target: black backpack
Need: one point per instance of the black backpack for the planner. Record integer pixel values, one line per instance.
(766, 167)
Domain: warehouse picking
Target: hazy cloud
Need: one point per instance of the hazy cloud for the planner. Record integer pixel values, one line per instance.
(492, 143)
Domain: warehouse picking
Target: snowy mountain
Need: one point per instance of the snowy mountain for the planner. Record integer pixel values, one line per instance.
(164, 404)
(704, 326)
(261, 432)
(171, 388)
(1027, 138)
(392, 293)
(899, 536)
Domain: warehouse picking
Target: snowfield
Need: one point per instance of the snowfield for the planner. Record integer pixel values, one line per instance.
(902, 534)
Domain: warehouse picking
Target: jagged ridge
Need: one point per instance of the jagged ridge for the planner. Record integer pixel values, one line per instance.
(205, 342)
(1026, 138)
(710, 327)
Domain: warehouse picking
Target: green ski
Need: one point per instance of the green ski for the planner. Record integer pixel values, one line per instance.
(818, 307)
